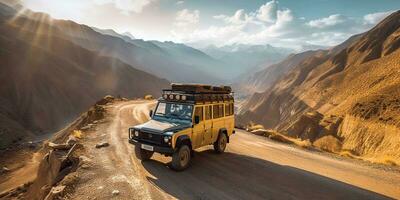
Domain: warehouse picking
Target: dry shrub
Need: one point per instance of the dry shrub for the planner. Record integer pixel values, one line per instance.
(328, 143)
(347, 153)
(260, 132)
(77, 134)
(252, 127)
(281, 138)
(148, 97)
(303, 143)
(273, 135)
(387, 160)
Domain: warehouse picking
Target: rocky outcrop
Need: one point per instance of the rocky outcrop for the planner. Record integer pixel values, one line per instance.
(306, 127)
(372, 139)
(52, 169)
(314, 125)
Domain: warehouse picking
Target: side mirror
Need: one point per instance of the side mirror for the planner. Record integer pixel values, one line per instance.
(151, 113)
(196, 119)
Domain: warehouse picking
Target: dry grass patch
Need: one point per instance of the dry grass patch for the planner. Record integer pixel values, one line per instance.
(387, 160)
(77, 134)
(302, 143)
(280, 138)
(273, 135)
(253, 127)
(347, 153)
(328, 143)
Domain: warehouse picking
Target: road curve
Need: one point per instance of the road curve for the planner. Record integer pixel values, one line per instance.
(253, 167)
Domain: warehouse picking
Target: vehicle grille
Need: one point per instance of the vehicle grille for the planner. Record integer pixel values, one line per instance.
(151, 137)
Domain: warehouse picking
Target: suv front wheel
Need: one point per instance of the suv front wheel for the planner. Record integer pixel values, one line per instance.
(220, 144)
(181, 158)
(142, 154)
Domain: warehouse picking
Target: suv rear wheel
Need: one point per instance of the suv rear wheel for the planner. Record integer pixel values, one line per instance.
(181, 158)
(220, 144)
(142, 154)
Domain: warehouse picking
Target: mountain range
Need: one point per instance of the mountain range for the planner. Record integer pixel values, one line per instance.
(242, 58)
(218, 64)
(47, 80)
(349, 92)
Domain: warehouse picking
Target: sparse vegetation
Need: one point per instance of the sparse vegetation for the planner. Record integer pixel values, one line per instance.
(77, 134)
(328, 143)
(387, 160)
(273, 135)
(148, 97)
(347, 153)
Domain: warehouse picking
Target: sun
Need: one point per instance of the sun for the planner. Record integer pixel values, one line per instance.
(71, 9)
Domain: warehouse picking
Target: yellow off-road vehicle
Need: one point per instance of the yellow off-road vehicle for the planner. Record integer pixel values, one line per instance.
(187, 117)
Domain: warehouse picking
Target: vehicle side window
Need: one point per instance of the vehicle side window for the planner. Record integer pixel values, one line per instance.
(221, 110)
(208, 112)
(199, 112)
(215, 112)
(232, 108)
(227, 109)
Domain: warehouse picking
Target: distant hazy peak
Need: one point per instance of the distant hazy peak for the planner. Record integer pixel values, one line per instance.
(129, 35)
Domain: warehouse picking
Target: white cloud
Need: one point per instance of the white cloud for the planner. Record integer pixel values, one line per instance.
(127, 6)
(186, 18)
(269, 23)
(374, 18)
(278, 26)
(268, 12)
(239, 17)
(330, 21)
(260, 26)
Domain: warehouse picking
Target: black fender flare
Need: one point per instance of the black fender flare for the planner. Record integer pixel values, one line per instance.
(224, 131)
(183, 139)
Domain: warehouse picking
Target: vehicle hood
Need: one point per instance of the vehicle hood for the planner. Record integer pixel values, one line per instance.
(162, 126)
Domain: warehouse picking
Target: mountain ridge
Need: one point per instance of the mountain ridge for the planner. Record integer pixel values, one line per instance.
(341, 84)
(48, 80)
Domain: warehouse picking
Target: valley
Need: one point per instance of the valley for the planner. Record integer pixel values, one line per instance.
(284, 170)
(349, 92)
(317, 109)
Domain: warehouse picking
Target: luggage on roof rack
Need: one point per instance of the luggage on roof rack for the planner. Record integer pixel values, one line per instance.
(200, 88)
(197, 93)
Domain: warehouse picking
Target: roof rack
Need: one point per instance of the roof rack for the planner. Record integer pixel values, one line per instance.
(197, 93)
(201, 88)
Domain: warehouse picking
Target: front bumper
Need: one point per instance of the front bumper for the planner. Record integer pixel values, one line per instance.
(158, 149)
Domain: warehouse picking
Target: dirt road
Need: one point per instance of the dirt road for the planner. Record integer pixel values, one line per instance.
(252, 168)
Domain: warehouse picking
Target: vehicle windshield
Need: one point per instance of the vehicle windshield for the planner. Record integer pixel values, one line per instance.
(172, 110)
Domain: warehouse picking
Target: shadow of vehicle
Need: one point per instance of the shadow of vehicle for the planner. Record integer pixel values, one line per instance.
(234, 176)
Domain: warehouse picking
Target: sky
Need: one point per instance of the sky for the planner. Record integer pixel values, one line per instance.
(297, 24)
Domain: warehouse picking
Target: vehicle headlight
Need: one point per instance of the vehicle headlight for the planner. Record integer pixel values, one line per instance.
(136, 132)
(167, 138)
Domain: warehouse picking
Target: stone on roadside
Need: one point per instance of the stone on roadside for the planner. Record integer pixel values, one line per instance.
(102, 144)
(55, 192)
(71, 140)
(4, 170)
(115, 192)
(87, 127)
(59, 146)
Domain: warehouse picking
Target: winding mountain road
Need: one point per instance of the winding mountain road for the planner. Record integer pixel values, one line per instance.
(253, 167)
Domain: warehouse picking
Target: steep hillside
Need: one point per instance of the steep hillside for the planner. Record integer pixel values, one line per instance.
(241, 59)
(196, 59)
(144, 55)
(46, 80)
(350, 92)
(262, 80)
(111, 32)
